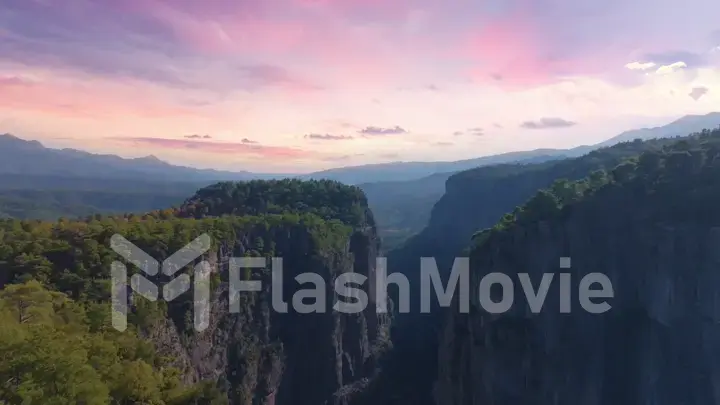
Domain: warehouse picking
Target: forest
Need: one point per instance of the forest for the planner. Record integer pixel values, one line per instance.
(666, 180)
(57, 343)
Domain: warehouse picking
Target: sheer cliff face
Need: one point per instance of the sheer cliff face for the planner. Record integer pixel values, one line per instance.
(658, 344)
(477, 199)
(261, 356)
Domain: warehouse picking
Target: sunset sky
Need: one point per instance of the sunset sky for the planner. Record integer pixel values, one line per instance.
(301, 85)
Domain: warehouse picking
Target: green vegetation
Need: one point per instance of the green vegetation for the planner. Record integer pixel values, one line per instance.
(50, 205)
(648, 224)
(479, 198)
(54, 350)
(56, 343)
(74, 256)
(324, 198)
(655, 180)
(677, 182)
(402, 208)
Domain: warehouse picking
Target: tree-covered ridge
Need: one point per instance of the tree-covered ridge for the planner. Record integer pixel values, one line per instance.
(478, 198)
(481, 198)
(50, 205)
(54, 350)
(324, 198)
(56, 343)
(569, 168)
(75, 256)
(677, 181)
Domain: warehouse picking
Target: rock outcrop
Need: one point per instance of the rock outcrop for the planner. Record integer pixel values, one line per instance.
(259, 355)
(653, 232)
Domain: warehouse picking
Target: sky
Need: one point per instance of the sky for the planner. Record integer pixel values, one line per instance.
(303, 85)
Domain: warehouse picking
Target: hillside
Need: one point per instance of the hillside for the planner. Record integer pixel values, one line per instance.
(51, 205)
(253, 356)
(401, 194)
(651, 226)
(31, 158)
(685, 125)
(18, 156)
(475, 199)
(324, 198)
(404, 171)
(478, 198)
(402, 208)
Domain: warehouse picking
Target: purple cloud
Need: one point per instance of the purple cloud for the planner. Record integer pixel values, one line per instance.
(128, 39)
(548, 122)
(269, 75)
(477, 131)
(379, 131)
(328, 137)
(698, 92)
(389, 155)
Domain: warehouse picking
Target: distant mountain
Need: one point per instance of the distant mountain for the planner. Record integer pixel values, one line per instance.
(400, 194)
(18, 156)
(402, 171)
(681, 127)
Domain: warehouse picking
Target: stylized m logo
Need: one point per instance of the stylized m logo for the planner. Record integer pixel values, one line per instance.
(171, 290)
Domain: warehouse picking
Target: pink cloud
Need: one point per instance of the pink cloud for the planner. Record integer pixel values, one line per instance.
(510, 51)
(77, 100)
(220, 26)
(356, 53)
(379, 9)
(222, 148)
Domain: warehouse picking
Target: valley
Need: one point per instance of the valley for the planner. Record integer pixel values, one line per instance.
(641, 212)
(71, 183)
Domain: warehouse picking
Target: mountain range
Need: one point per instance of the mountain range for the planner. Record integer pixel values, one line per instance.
(44, 183)
(18, 156)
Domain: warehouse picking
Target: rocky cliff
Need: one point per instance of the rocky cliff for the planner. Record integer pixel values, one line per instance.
(658, 344)
(261, 356)
(474, 199)
(653, 231)
(253, 351)
(478, 198)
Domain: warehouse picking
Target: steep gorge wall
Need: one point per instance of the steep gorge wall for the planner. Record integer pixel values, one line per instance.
(260, 356)
(659, 343)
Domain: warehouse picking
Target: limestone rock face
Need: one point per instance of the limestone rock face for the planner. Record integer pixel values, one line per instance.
(261, 356)
(659, 343)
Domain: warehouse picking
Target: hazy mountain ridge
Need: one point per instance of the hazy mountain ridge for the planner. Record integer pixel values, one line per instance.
(401, 194)
(680, 127)
(19, 156)
(31, 157)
